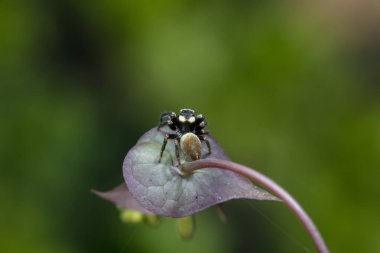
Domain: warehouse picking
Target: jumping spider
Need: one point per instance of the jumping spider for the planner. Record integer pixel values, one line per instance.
(185, 122)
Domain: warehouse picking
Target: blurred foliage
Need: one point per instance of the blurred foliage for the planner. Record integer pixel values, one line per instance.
(291, 89)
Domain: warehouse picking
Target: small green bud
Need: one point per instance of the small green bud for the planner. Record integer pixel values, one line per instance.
(131, 216)
(152, 220)
(186, 227)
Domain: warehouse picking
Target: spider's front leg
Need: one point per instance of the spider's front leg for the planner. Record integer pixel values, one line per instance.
(177, 147)
(176, 143)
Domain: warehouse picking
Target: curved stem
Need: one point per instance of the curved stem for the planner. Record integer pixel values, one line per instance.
(271, 186)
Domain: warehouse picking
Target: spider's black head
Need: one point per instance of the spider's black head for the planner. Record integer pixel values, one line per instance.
(186, 121)
(186, 116)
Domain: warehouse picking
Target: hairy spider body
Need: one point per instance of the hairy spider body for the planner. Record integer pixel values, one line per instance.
(185, 122)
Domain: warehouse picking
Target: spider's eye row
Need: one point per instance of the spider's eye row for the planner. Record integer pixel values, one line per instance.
(184, 119)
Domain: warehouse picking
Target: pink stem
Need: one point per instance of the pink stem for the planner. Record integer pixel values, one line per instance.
(271, 186)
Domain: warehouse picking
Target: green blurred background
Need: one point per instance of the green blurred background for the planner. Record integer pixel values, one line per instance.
(288, 87)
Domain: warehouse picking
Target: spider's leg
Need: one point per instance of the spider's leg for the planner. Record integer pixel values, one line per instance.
(176, 144)
(203, 138)
(167, 136)
(204, 132)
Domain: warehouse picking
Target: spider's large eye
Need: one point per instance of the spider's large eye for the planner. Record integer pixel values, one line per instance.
(192, 119)
(181, 118)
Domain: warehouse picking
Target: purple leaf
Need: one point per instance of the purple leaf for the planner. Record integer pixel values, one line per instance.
(121, 196)
(161, 189)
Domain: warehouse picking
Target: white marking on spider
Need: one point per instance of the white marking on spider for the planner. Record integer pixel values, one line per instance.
(181, 118)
